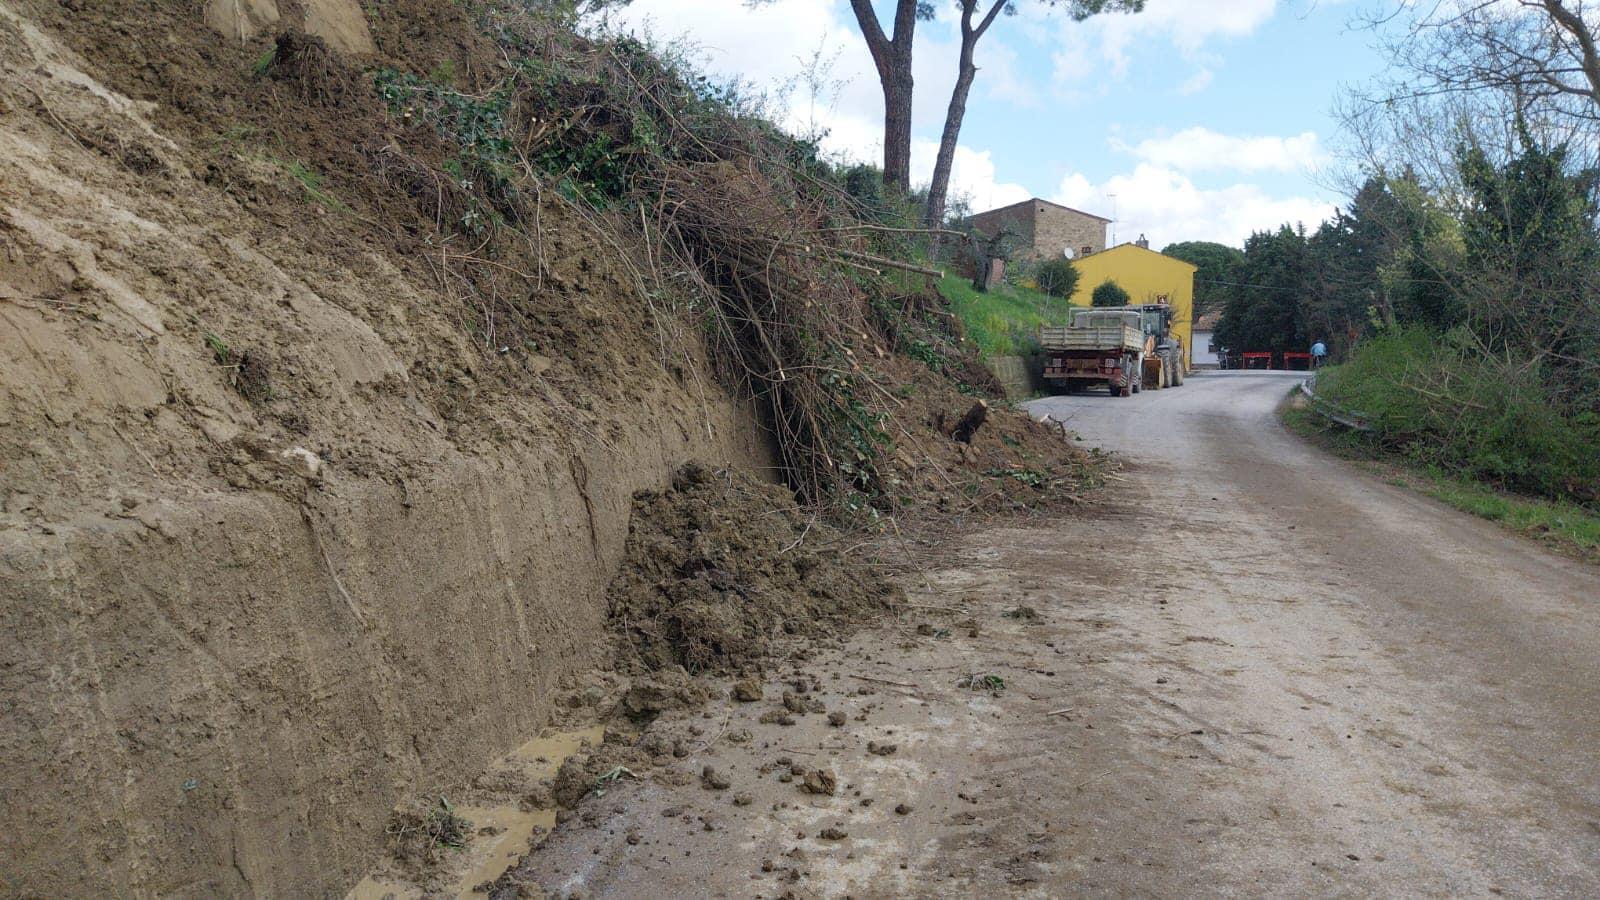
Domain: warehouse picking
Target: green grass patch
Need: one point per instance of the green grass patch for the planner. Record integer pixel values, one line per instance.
(1567, 528)
(312, 182)
(1439, 401)
(264, 61)
(1004, 321)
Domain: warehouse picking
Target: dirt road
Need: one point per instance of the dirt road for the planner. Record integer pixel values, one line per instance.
(1255, 671)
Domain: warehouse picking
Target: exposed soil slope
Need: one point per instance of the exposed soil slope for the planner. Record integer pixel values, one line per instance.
(312, 483)
(282, 540)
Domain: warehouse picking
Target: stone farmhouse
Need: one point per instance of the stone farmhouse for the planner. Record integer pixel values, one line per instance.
(1045, 230)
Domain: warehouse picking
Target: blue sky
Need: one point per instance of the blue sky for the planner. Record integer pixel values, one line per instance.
(1207, 119)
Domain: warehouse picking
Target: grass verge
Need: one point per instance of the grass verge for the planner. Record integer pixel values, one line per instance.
(1004, 321)
(1566, 528)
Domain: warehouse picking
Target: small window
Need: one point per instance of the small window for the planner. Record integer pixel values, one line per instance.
(1087, 249)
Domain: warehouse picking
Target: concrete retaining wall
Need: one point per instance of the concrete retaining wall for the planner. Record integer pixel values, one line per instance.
(1016, 373)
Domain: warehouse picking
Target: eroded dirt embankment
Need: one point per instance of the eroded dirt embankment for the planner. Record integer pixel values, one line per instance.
(279, 544)
(324, 415)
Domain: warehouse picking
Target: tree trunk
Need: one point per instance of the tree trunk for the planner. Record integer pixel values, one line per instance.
(939, 190)
(897, 129)
(892, 58)
(971, 422)
(1588, 55)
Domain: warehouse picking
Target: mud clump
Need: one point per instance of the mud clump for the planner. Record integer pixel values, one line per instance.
(820, 781)
(669, 690)
(721, 564)
(572, 783)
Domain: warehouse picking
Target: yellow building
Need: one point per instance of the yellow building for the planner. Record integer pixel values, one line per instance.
(1148, 277)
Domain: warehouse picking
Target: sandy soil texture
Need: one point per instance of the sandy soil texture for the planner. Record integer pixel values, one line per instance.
(1251, 671)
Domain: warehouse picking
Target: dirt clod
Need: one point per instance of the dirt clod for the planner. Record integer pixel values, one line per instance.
(720, 564)
(668, 690)
(572, 783)
(747, 691)
(820, 781)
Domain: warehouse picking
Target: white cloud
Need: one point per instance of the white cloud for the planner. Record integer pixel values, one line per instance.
(770, 44)
(1188, 23)
(972, 175)
(1166, 206)
(1197, 82)
(767, 45)
(1100, 46)
(1201, 149)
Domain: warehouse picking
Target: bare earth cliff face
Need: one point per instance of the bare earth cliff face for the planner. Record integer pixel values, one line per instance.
(280, 542)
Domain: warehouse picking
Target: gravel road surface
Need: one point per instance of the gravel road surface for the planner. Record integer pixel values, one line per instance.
(1252, 671)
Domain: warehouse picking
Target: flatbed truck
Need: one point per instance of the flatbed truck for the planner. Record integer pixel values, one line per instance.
(1125, 348)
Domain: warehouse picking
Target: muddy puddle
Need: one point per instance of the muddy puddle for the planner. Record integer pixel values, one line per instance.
(501, 832)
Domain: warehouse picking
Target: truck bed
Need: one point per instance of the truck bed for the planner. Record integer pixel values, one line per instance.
(1117, 338)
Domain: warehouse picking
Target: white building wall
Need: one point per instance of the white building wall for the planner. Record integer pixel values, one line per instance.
(1202, 349)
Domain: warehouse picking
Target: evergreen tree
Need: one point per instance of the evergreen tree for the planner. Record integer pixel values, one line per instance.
(1218, 266)
(1265, 311)
(1529, 262)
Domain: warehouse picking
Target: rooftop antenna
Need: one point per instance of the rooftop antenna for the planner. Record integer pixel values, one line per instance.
(1113, 219)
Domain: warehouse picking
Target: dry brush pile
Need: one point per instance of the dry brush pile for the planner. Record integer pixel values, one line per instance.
(717, 220)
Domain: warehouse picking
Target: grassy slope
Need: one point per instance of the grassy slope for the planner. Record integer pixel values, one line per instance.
(1005, 320)
(1566, 528)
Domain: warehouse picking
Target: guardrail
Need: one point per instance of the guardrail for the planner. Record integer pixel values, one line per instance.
(1330, 410)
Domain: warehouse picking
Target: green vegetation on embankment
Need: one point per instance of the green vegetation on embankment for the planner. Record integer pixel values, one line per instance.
(1004, 321)
(1488, 447)
(1436, 400)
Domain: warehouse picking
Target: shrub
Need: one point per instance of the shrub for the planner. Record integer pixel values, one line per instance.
(1435, 398)
(1057, 277)
(1109, 293)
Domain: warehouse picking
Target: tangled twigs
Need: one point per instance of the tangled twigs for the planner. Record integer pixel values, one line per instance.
(786, 315)
(305, 62)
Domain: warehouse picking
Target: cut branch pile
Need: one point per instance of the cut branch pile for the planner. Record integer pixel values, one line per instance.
(785, 320)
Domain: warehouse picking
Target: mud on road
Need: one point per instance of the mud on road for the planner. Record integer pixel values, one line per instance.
(1252, 669)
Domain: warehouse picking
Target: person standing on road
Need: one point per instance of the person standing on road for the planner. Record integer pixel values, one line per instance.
(1319, 354)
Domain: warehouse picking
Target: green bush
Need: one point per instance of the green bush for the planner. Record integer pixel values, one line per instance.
(1441, 402)
(1109, 293)
(1057, 277)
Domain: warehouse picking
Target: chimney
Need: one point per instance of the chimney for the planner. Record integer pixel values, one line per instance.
(1143, 242)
